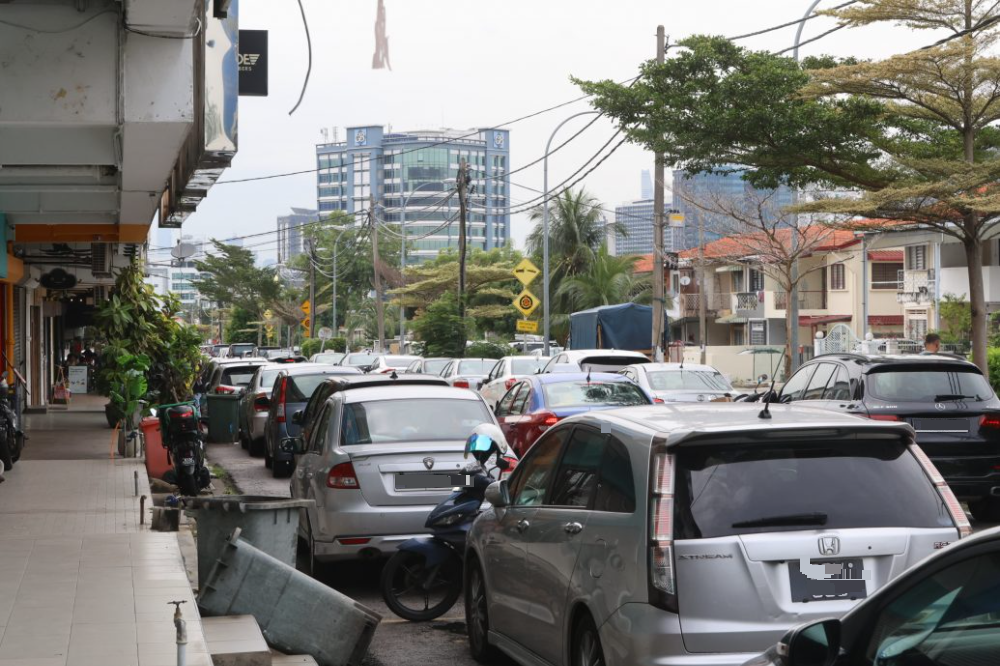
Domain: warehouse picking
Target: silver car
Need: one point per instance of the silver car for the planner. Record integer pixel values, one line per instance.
(366, 464)
(598, 360)
(468, 373)
(696, 534)
(507, 372)
(254, 407)
(681, 382)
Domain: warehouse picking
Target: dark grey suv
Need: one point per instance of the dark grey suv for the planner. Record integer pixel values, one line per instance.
(946, 399)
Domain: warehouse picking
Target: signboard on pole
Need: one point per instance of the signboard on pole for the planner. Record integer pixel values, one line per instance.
(253, 63)
(526, 272)
(526, 302)
(526, 326)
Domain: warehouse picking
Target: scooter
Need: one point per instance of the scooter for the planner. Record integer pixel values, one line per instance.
(11, 436)
(423, 578)
(757, 395)
(181, 436)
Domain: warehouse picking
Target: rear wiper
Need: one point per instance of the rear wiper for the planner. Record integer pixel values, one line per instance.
(790, 519)
(954, 396)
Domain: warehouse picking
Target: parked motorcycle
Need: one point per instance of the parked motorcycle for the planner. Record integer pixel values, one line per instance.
(757, 395)
(423, 579)
(181, 435)
(11, 435)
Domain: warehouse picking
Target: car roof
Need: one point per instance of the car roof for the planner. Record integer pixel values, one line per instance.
(671, 367)
(408, 392)
(687, 423)
(293, 369)
(353, 381)
(527, 356)
(562, 377)
(886, 359)
(584, 353)
(253, 360)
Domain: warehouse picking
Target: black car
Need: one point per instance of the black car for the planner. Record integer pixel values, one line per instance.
(945, 398)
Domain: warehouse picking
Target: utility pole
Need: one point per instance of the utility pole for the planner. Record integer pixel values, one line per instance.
(462, 184)
(658, 287)
(702, 289)
(312, 289)
(379, 306)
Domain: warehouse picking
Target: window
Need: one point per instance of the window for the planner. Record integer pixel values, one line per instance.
(916, 258)
(756, 280)
(318, 435)
(817, 385)
(840, 388)
(580, 393)
(616, 489)
(576, 479)
(503, 408)
(687, 380)
(885, 275)
(796, 386)
(531, 479)
(404, 421)
(837, 277)
(928, 383)
(954, 612)
(518, 406)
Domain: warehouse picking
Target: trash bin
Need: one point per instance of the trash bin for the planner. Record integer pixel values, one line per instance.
(156, 454)
(223, 417)
(269, 523)
(296, 614)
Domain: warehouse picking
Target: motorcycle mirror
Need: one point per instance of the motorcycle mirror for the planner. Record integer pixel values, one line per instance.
(763, 378)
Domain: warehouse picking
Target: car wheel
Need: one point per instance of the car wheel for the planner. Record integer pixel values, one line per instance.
(281, 469)
(986, 510)
(257, 447)
(587, 644)
(268, 460)
(477, 616)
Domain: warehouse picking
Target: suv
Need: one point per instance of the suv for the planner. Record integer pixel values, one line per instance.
(946, 399)
(696, 533)
(598, 360)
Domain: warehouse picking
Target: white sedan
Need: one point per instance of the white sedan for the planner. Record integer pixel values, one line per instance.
(680, 382)
(506, 373)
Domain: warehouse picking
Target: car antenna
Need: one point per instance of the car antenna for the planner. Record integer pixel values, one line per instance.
(766, 412)
(588, 374)
(393, 375)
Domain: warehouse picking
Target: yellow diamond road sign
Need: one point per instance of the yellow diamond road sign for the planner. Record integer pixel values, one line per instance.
(525, 272)
(526, 302)
(525, 326)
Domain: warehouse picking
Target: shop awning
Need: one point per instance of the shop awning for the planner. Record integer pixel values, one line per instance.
(731, 319)
(885, 320)
(730, 268)
(816, 320)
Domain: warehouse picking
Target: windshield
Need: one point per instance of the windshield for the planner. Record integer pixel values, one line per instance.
(399, 421)
(687, 380)
(328, 358)
(527, 366)
(435, 366)
(399, 361)
(608, 363)
(928, 384)
(801, 486)
(359, 359)
(562, 395)
(267, 378)
(238, 376)
(477, 366)
(301, 387)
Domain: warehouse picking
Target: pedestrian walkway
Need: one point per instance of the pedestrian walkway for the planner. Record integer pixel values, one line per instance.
(82, 582)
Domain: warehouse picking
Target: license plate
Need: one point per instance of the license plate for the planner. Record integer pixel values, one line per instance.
(425, 481)
(941, 425)
(187, 461)
(828, 580)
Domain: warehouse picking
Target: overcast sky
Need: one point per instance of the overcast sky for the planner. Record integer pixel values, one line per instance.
(467, 64)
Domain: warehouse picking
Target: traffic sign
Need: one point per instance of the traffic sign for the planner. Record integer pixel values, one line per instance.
(526, 272)
(676, 220)
(526, 302)
(305, 307)
(324, 333)
(525, 326)
(305, 327)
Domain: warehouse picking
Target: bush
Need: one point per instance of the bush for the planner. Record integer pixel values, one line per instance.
(485, 349)
(441, 328)
(993, 365)
(315, 346)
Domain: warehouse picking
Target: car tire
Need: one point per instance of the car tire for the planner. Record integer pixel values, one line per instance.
(257, 447)
(477, 616)
(986, 510)
(244, 441)
(268, 460)
(281, 469)
(587, 649)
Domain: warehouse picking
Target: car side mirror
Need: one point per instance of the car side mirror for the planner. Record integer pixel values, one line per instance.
(262, 402)
(297, 417)
(296, 445)
(498, 494)
(816, 644)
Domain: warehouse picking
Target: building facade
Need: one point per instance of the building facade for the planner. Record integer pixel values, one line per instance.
(291, 239)
(635, 235)
(417, 170)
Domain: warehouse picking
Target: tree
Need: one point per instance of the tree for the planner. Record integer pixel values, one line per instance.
(609, 280)
(230, 277)
(441, 328)
(911, 132)
(241, 326)
(956, 318)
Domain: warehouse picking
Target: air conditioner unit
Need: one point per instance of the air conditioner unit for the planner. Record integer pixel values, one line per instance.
(100, 260)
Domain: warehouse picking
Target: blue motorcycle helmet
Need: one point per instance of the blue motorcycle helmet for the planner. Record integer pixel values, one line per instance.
(485, 439)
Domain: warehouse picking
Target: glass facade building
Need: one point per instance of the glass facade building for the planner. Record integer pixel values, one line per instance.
(291, 239)
(636, 218)
(418, 170)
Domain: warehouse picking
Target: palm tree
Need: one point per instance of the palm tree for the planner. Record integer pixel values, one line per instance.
(609, 280)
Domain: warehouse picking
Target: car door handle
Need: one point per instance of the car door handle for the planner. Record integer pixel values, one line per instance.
(522, 525)
(572, 528)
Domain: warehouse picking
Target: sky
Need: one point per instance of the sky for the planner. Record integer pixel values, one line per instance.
(471, 64)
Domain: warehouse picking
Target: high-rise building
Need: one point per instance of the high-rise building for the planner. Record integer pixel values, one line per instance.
(636, 218)
(647, 185)
(419, 169)
(725, 186)
(291, 240)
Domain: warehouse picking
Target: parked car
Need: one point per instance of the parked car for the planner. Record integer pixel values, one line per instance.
(696, 533)
(506, 373)
(360, 360)
(946, 399)
(391, 363)
(598, 360)
(468, 373)
(538, 402)
(367, 464)
(292, 389)
(427, 366)
(942, 611)
(333, 358)
(680, 382)
(241, 349)
(225, 376)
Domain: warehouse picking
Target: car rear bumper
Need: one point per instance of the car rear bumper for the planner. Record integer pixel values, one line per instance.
(385, 526)
(258, 426)
(377, 546)
(640, 634)
(970, 477)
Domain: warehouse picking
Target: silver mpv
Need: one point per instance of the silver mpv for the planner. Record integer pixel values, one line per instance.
(696, 534)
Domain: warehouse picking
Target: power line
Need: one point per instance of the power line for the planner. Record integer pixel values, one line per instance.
(787, 25)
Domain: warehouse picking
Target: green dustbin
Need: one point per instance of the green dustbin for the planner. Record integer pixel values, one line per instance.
(223, 417)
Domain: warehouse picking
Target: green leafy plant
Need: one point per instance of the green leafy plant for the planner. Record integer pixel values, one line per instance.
(483, 349)
(131, 371)
(441, 328)
(956, 318)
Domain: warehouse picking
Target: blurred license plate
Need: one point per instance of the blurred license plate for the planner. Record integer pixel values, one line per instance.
(941, 425)
(425, 480)
(845, 580)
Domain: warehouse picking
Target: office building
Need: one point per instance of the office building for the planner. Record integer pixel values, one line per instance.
(636, 220)
(291, 239)
(647, 185)
(418, 170)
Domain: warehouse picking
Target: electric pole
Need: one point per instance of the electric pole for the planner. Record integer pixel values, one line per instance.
(658, 287)
(379, 306)
(463, 182)
(702, 289)
(312, 289)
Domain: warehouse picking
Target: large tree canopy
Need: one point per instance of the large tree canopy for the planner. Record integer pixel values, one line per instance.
(230, 277)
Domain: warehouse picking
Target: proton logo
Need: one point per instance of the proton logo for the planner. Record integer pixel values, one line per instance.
(829, 545)
(429, 462)
(940, 407)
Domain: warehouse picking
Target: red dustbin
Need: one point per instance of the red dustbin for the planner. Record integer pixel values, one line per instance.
(156, 454)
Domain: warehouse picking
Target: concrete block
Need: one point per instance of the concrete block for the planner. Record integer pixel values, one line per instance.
(235, 640)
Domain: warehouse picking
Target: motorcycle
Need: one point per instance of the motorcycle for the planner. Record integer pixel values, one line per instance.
(181, 436)
(431, 568)
(757, 395)
(11, 436)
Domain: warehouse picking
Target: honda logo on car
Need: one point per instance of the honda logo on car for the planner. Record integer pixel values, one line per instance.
(829, 545)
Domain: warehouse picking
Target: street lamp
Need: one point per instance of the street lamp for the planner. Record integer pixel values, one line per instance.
(545, 231)
(336, 242)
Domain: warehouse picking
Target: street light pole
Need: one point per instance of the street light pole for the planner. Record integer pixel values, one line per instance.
(336, 242)
(545, 231)
(402, 262)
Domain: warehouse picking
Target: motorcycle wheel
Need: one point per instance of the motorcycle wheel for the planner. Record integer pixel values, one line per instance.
(6, 454)
(188, 485)
(404, 590)
(17, 447)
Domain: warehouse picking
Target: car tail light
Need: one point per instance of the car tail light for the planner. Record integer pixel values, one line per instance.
(658, 401)
(222, 389)
(545, 420)
(461, 383)
(661, 530)
(884, 417)
(511, 466)
(989, 421)
(342, 477)
(353, 541)
(260, 407)
(386, 371)
(954, 506)
(509, 384)
(279, 414)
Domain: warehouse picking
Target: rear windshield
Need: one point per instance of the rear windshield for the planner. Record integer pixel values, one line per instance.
(399, 361)
(527, 366)
(608, 363)
(435, 367)
(399, 421)
(329, 358)
(238, 375)
(267, 378)
(687, 380)
(588, 394)
(928, 384)
(240, 349)
(476, 367)
(359, 359)
(802, 486)
(300, 387)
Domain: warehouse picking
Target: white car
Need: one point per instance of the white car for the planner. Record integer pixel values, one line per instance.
(680, 382)
(506, 373)
(598, 360)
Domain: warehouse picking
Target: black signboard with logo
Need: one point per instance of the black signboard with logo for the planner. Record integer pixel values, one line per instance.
(253, 63)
